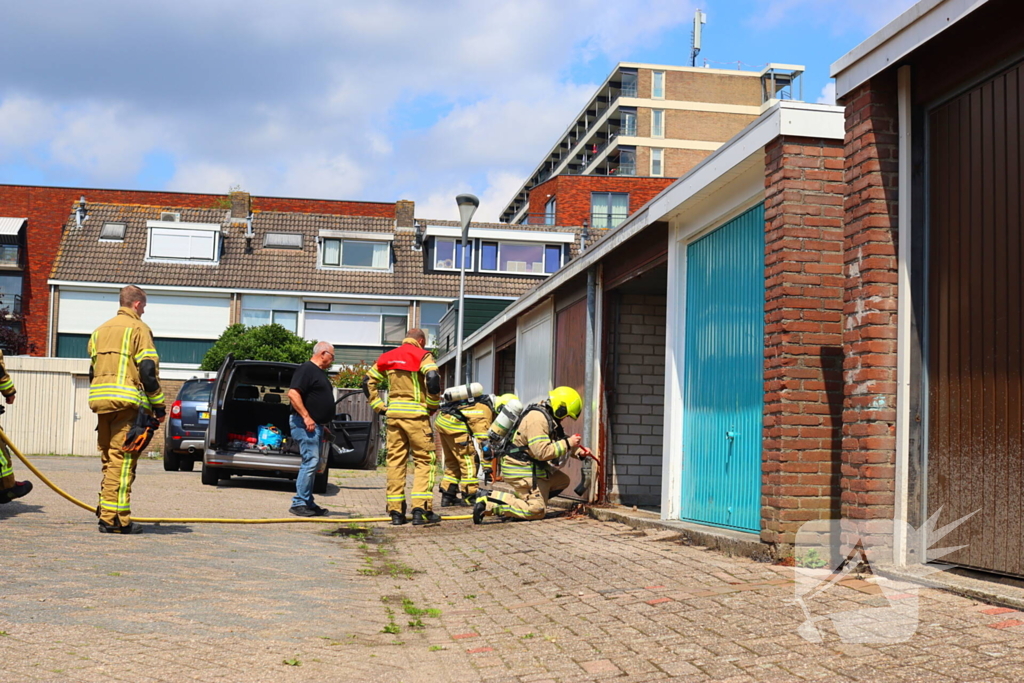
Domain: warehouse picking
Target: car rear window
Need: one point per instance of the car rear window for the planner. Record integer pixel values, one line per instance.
(196, 391)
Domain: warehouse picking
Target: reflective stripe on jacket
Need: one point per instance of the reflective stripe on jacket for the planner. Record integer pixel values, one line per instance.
(6, 383)
(116, 349)
(534, 435)
(478, 421)
(407, 390)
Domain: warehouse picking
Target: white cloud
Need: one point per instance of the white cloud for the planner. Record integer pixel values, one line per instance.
(395, 98)
(828, 93)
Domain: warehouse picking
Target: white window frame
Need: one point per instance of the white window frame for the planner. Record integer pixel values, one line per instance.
(544, 249)
(471, 244)
(277, 307)
(660, 154)
(321, 252)
(364, 310)
(550, 210)
(654, 89)
(193, 228)
(657, 114)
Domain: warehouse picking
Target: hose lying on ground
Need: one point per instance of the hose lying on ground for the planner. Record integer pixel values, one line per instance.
(198, 520)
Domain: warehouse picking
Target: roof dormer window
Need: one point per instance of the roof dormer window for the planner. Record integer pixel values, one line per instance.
(183, 242)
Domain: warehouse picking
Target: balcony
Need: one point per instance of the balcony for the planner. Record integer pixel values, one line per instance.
(601, 219)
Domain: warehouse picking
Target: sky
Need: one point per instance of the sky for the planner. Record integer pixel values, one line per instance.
(379, 101)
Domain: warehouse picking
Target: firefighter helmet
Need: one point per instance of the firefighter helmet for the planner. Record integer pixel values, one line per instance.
(565, 402)
(500, 401)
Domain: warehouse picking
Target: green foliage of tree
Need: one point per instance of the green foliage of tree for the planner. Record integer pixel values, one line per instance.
(266, 342)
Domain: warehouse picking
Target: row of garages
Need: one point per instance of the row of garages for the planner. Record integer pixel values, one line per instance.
(823, 319)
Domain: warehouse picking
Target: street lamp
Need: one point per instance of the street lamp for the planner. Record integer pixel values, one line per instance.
(468, 204)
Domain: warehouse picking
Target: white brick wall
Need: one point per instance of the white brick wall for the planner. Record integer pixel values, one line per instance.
(637, 414)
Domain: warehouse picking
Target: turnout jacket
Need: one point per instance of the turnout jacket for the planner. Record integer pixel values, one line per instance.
(6, 383)
(118, 348)
(478, 421)
(539, 436)
(406, 369)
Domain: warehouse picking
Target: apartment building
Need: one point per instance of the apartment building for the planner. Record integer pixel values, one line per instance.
(645, 125)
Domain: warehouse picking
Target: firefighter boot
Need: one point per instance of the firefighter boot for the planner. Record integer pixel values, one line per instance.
(421, 517)
(132, 528)
(450, 496)
(398, 518)
(20, 488)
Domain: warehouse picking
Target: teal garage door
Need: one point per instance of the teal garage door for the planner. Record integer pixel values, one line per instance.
(723, 375)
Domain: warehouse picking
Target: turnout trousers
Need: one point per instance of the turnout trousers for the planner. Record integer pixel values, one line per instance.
(459, 462)
(6, 469)
(530, 500)
(411, 437)
(118, 467)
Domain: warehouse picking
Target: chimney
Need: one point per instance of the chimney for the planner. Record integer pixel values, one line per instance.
(241, 204)
(404, 210)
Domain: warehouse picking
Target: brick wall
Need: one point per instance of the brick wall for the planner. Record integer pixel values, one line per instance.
(506, 372)
(869, 337)
(47, 209)
(803, 335)
(637, 416)
(573, 193)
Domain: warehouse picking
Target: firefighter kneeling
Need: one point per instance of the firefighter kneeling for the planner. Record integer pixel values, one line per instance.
(536, 441)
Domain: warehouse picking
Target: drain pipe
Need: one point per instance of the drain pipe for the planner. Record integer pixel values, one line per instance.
(589, 404)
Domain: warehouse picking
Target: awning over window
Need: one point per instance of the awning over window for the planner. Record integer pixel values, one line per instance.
(9, 229)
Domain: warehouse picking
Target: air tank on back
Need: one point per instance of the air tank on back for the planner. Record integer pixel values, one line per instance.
(510, 412)
(463, 392)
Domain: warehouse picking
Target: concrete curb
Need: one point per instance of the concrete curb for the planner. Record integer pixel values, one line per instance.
(726, 541)
(984, 590)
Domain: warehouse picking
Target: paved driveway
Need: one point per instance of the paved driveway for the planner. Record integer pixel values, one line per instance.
(564, 599)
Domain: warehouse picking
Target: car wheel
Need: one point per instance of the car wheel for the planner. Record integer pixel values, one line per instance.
(186, 464)
(211, 475)
(320, 482)
(171, 461)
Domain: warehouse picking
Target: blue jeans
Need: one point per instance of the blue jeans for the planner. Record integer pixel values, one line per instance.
(309, 447)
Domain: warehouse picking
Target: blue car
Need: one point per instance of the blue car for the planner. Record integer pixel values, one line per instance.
(185, 428)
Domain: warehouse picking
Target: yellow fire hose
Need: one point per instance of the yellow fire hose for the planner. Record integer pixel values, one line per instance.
(198, 520)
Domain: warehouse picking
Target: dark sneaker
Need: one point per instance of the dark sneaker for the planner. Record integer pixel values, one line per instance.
(398, 518)
(421, 517)
(20, 488)
(320, 512)
(132, 528)
(302, 511)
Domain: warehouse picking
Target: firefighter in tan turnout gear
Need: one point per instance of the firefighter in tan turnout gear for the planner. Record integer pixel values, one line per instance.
(9, 488)
(463, 426)
(526, 463)
(125, 393)
(414, 388)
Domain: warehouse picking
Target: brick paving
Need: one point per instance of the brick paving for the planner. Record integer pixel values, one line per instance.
(563, 599)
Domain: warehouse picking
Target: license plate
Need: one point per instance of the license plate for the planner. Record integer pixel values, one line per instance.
(204, 416)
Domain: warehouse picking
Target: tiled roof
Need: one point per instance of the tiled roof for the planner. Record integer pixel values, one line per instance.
(83, 258)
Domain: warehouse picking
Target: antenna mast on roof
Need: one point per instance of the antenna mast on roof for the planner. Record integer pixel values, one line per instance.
(699, 18)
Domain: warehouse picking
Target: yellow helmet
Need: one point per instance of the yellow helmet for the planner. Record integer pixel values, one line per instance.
(565, 402)
(500, 401)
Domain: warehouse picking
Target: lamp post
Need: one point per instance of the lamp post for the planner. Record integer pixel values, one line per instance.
(467, 207)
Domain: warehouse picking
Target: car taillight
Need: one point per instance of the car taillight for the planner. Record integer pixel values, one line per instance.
(176, 409)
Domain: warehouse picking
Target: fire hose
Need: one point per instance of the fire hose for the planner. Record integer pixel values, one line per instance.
(197, 520)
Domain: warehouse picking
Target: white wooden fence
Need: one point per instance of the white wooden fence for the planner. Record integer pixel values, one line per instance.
(51, 413)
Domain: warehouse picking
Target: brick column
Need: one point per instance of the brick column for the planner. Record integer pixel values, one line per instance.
(869, 338)
(803, 334)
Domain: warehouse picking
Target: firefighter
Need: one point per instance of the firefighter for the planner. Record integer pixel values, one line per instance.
(9, 489)
(526, 464)
(414, 387)
(124, 387)
(460, 427)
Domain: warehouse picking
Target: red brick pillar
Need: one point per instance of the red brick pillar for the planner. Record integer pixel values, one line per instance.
(803, 335)
(869, 311)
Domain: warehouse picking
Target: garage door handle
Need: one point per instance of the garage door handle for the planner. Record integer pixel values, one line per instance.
(731, 435)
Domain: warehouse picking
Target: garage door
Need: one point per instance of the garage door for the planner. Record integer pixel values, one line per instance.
(974, 328)
(723, 389)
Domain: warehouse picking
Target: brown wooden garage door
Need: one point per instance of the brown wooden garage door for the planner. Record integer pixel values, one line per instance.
(570, 367)
(975, 325)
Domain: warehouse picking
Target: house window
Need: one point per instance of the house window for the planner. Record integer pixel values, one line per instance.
(183, 244)
(10, 256)
(447, 253)
(549, 211)
(627, 122)
(258, 310)
(113, 232)
(629, 79)
(657, 123)
(520, 257)
(283, 240)
(657, 162)
(357, 325)
(346, 253)
(608, 209)
(658, 85)
(431, 313)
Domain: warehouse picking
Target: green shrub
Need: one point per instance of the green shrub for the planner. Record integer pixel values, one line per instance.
(266, 342)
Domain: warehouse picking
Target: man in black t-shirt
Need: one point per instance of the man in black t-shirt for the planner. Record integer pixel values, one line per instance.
(312, 399)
